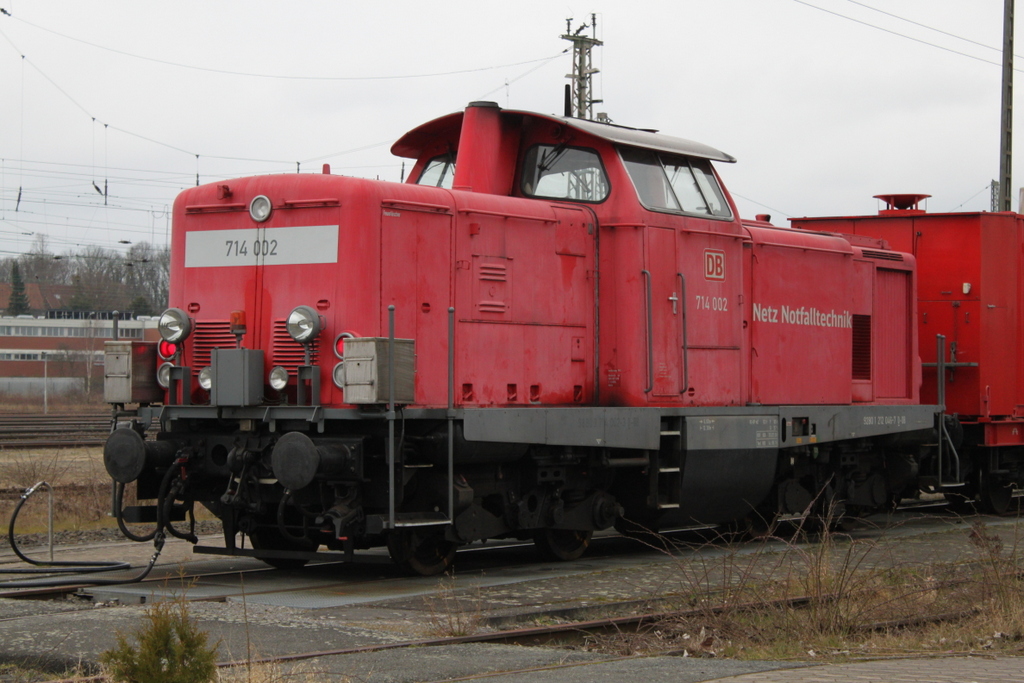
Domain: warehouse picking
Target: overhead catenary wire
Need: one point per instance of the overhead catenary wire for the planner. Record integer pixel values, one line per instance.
(198, 177)
(925, 26)
(290, 77)
(985, 188)
(901, 35)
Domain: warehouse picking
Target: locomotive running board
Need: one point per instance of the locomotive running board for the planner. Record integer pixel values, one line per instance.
(291, 555)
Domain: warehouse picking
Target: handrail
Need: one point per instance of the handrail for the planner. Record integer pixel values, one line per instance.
(451, 414)
(940, 378)
(685, 347)
(650, 335)
(391, 416)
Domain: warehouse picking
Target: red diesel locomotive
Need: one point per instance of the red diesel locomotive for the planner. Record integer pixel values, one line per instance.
(555, 326)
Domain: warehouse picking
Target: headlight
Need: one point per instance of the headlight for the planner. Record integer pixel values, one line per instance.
(338, 375)
(175, 325)
(304, 324)
(278, 377)
(163, 375)
(206, 377)
(259, 208)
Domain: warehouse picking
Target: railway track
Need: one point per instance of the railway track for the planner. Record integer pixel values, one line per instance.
(490, 581)
(574, 631)
(68, 430)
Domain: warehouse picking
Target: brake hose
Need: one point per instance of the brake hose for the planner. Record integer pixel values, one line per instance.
(119, 516)
(66, 567)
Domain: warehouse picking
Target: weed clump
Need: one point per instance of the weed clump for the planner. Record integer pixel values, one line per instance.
(451, 615)
(170, 648)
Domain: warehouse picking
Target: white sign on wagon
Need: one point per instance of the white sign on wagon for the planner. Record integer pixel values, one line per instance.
(261, 246)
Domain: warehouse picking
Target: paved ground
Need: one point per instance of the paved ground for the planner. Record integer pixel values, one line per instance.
(939, 670)
(338, 607)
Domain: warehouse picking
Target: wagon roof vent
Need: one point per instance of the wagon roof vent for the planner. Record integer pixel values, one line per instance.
(901, 203)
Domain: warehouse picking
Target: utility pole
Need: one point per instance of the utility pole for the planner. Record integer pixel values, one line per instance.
(1006, 123)
(580, 100)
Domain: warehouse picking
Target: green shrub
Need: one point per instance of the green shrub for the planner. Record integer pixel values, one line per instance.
(170, 648)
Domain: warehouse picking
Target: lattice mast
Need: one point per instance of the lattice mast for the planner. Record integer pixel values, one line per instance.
(580, 92)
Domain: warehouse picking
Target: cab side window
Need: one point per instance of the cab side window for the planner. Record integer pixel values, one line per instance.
(563, 172)
(667, 182)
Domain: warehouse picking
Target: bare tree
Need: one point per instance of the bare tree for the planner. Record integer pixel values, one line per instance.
(102, 279)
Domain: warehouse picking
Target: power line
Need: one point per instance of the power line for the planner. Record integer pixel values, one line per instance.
(229, 72)
(925, 26)
(897, 33)
(520, 76)
(754, 201)
(248, 159)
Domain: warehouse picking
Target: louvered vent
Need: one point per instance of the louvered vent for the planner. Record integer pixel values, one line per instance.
(862, 347)
(288, 352)
(883, 255)
(217, 335)
(496, 272)
(209, 336)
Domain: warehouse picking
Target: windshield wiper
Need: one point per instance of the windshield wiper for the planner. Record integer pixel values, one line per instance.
(551, 157)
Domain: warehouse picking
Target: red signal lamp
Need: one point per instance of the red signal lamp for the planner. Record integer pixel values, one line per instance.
(166, 349)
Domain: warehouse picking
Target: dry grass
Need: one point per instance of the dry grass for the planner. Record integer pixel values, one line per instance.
(82, 488)
(72, 402)
(840, 598)
(273, 672)
(452, 614)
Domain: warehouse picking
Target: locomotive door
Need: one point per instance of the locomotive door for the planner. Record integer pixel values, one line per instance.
(663, 296)
(415, 246)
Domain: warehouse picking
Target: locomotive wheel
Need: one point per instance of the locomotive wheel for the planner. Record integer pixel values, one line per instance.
(996, 495)
(423, 555)
(271, 539)
(561, 544)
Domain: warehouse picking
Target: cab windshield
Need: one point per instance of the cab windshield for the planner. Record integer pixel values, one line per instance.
(439, 172)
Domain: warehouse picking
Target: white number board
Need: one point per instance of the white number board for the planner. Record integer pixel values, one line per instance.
(261, 246)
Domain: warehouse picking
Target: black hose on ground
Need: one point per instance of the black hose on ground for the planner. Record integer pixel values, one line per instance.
(66, 567)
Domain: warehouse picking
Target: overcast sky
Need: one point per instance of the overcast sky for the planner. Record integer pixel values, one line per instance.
(823, 102)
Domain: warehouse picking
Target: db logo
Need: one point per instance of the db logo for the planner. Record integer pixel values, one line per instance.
(714, 264)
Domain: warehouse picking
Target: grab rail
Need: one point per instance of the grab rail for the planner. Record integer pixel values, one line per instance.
(650, 335)
(682, 322)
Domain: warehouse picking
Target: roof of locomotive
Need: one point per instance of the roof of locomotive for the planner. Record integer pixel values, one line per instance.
(412, 144)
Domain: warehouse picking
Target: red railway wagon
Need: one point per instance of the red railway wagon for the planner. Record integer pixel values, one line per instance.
(970, 291)
(555, 326)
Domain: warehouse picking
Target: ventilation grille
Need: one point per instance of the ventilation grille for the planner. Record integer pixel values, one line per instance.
(862, 347)
(496, 272)
(883, 255)
(209, 336)
(217, 335)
